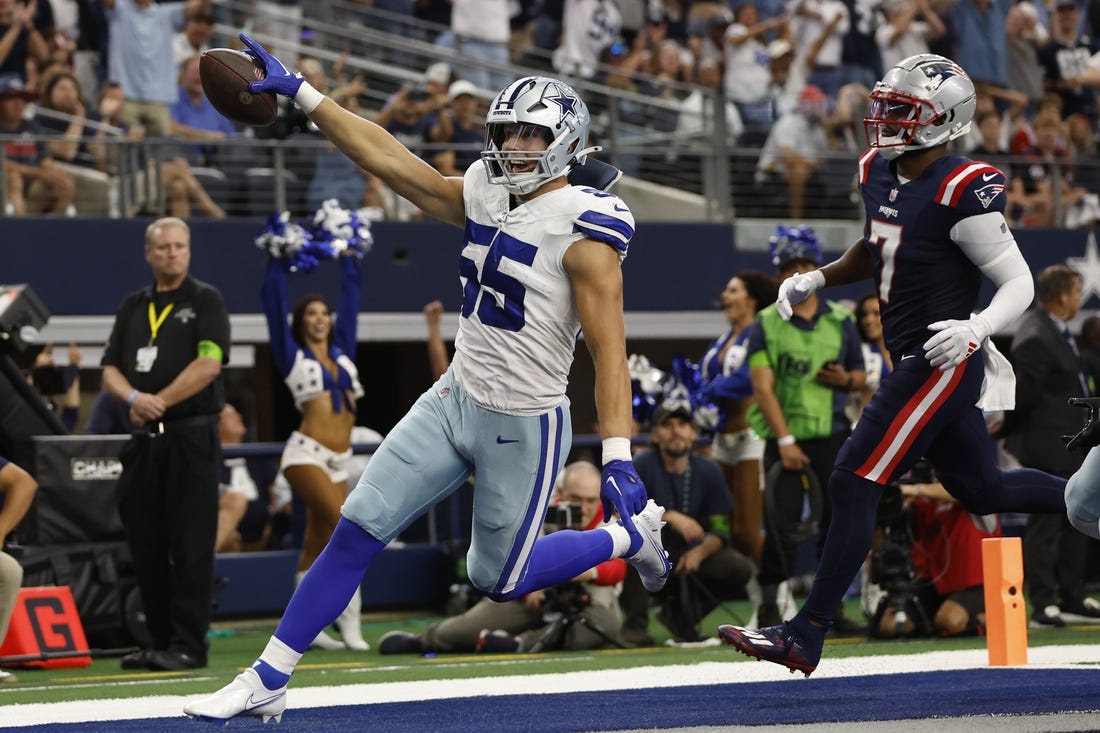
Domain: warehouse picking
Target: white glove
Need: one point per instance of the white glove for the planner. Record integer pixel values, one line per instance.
(796, 289)
(954, 341)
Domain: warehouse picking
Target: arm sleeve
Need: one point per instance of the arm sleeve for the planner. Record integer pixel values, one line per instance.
(273, 295)
(347, 316)
(987, 242)
(213, 322)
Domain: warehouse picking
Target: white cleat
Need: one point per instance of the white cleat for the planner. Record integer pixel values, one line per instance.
(326, 643)
(651, 559)
(245, 695)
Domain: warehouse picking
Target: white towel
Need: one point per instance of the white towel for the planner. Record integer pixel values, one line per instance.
(999, 384)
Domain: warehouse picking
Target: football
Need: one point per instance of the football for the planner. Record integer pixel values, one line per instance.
(225, 75)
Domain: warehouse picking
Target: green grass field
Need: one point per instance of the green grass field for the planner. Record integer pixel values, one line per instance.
(235, 644)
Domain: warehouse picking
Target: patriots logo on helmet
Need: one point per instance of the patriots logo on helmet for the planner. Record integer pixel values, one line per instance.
(566, 102)
(939, 72)
(986, 194)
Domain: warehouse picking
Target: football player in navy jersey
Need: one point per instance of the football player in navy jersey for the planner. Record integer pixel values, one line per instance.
(935, 225)
(543, 246)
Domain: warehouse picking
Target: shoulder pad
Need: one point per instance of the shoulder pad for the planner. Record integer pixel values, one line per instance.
(973, 187)
(605, 218)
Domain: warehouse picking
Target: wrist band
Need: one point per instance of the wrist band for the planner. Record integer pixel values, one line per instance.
(130, 397)
(785, 441)
(616, 449)
(308, 98)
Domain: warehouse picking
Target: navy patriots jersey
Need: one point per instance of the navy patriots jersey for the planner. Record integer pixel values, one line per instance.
(922, 276)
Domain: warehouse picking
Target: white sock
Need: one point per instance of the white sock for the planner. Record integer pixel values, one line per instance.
(280, 657)
(350, 623)
(620, 537)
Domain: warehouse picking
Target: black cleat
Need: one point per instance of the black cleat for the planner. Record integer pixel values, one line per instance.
(1089, 436)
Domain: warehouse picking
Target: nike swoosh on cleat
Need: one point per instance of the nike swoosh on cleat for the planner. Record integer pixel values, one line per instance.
(254, 703)
(501, 440)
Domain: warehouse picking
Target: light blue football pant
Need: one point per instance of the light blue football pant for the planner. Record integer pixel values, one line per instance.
(444, 439)
(1083, 496)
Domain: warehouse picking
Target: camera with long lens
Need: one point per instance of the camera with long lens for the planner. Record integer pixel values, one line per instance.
(563, 515)
(567, 599)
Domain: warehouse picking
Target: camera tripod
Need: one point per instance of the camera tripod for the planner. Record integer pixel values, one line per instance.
(560, 625)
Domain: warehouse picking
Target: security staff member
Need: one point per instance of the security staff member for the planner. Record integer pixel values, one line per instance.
(164, 359)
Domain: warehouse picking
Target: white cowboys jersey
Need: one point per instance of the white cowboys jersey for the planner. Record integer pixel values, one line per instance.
(519, 323)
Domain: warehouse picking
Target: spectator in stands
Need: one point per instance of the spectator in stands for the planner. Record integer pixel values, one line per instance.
(90, 56)
(738, 450)
(861, 61)
(821, 24)
(140, 58)
(1065, 59)
(462, 126)
(705, 568)
(438, 359)
(588, 27)
(794, 148)
(1081, 141)
(748, 64)
(195, 37)
(480, 29)
(908, 26)
(666, 76)
(947, 564)
(193, 118)
(1046, 168)
(236, 485)
(21, 40)
(1048, 373)
(1025, 35)
(61, 93)
(35, 183)
(980, 40)
(517, 625)
(696, 109)
(18, 489)
(845, 125)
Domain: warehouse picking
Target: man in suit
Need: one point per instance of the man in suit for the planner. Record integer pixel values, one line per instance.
(1049, 372)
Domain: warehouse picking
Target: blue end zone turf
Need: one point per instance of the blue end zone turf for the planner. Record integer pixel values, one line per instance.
(881, 697)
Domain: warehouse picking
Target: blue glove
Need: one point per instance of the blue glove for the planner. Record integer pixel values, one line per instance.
(623, 491)
(278, 78)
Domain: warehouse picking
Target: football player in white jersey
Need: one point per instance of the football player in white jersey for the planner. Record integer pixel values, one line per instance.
(541, 264)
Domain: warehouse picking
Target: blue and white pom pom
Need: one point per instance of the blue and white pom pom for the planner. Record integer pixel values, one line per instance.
(346, 231)
(332, 232)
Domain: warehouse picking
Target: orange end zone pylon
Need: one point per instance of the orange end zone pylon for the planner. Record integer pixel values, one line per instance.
(1005, 609)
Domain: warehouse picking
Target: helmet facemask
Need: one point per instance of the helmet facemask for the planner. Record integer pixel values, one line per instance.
(923, 101)
(522, 156)
(536, 131)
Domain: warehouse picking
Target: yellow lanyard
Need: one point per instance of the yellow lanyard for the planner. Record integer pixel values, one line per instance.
(156, 321)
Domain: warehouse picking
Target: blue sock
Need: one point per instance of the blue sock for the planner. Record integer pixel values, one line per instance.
(851, 529)
(272, 678)
(328, 586)
(563, 555)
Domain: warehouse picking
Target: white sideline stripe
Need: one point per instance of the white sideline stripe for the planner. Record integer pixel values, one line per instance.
(704, 673)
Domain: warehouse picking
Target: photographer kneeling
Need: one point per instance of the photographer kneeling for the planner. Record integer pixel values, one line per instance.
(927, 561)
(588, 604)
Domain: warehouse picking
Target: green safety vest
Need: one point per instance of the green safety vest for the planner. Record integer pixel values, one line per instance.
(795, 356)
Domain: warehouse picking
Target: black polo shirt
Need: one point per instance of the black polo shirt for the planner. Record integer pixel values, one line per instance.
(198, 314)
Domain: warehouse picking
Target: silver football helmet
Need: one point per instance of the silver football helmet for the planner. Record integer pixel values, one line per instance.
(535, 130)
(922, 101)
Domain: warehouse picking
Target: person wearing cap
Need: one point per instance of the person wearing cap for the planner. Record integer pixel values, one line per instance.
(803, 372)
(706, 568)
(458, 125)
(793, 149)
(36, 184)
